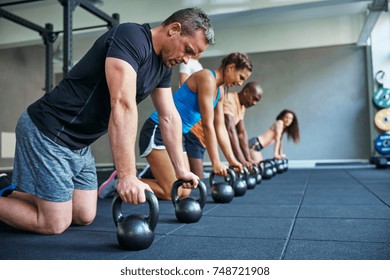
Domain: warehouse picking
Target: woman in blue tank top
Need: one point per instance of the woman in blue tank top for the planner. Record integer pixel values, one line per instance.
(200, 98)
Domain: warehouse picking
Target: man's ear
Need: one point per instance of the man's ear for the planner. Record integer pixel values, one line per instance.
(174, 28)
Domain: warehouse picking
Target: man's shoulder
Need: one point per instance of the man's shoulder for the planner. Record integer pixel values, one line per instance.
(132, 39)
(233, 97)
(134, 25)
(129, 31)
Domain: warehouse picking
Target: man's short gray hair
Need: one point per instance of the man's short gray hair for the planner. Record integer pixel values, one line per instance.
(192, 19)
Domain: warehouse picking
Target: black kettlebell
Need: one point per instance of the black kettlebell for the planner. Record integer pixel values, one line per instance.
(273, 163)
(260, 166)
(135, 232)
(222, 192)
(188, 209)
(259, 177)
(239, 185)
(250, 179)
(268, 173)
(279, 165)
(285, 161)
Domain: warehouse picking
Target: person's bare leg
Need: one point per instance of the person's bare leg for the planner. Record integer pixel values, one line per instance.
(255, 155)
(196, 166)
(35, 214)
(164, 174)
(157, 189)
(84, 206)
(22, 196)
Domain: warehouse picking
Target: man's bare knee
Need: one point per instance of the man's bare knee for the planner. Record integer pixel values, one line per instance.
(84, 207)
(84, 219)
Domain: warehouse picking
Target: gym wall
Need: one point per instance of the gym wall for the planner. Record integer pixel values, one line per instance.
(22, 79)
(325, 86)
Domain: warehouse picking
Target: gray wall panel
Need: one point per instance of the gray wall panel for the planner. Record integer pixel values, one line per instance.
(22, 79)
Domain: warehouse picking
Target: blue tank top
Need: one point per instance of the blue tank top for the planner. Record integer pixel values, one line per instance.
(187, 105)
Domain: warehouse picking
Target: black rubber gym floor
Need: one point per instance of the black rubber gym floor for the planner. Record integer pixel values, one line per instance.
(302, 214)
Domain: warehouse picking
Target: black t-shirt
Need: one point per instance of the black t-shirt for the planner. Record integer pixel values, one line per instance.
(76, 112)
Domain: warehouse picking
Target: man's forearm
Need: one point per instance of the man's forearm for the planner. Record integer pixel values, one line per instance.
(243, 138)
(236, 146)
(122, 133)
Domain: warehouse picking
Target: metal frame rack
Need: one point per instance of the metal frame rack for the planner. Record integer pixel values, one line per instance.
(49, 36)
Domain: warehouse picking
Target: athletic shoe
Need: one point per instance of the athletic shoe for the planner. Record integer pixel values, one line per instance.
(146, 173)
(108, 188)
(6, 188)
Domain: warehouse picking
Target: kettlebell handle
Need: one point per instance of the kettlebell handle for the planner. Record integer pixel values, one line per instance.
(153, 209)
(260, 167)
(202, 192)
(238, 175)
(256, 169)
(231, 175)
(246, 173)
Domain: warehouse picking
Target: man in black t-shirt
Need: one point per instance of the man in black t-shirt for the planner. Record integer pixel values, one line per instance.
(54, 170)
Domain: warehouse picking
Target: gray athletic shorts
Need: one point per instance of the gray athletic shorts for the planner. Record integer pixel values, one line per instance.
(47, 170)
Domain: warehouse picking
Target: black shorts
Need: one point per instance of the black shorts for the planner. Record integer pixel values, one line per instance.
(193, 146)
(150, 138)
(254, 144)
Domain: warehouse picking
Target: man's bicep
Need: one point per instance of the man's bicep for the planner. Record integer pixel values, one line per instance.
(229, 120)
(121, 78)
